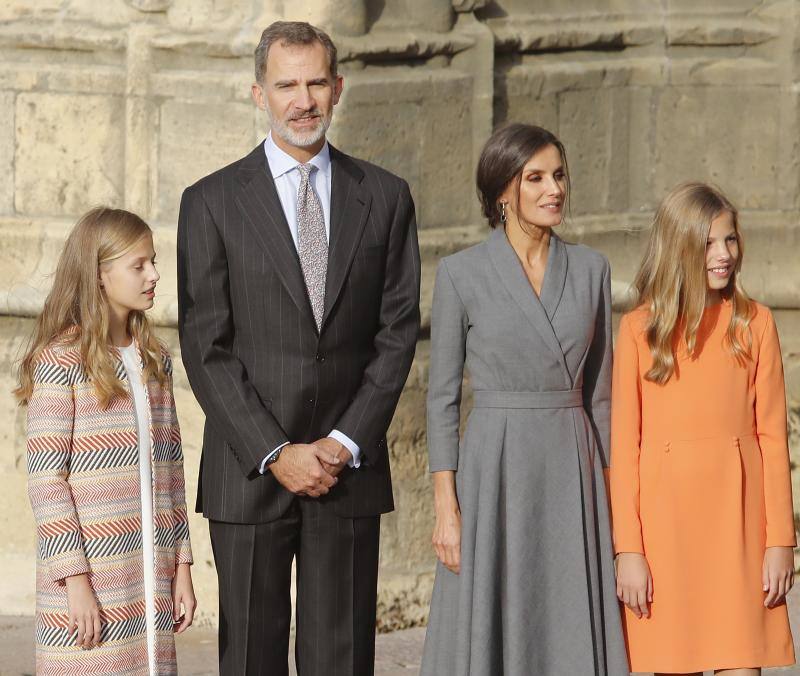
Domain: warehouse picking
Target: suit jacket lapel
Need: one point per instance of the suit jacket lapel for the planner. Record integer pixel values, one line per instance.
(350, 205)
(507, 265)
(265, 221)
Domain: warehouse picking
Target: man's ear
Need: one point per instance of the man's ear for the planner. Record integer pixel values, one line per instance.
(257, 92)
(338, 86)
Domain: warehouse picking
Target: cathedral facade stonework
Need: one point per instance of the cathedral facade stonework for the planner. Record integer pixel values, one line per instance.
(128, 104)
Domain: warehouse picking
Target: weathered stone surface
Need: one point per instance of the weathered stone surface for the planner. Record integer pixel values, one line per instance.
(729, 6)
(41, 31)
(114, 12)
(195, 140)
(414, 15)
(590, 137)
(28, 259)
(702, 134)
(11, 11)
(205, 87)
(69, 152)
(730, 72)
(197, 15)
(416, 123)
(18, 78)
(150, 5)
(403, 599)
(532, 34)
(468, 5)
(575, 8)
(7, 140)
(17, 584)
(723, 32)
(77, 78)
(133, 104)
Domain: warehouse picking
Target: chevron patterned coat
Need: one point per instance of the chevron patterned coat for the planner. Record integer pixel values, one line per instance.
(83, 467)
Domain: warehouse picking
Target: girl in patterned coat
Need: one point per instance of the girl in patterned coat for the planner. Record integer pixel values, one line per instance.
(105, 465)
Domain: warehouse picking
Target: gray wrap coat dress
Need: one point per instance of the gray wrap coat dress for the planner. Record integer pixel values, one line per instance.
(536, 591)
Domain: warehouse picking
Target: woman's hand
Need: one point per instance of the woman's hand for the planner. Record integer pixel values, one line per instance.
(84, 613)
(634, 583)
(447, 530)
(183, 595)
(447, 538)
(777, 574)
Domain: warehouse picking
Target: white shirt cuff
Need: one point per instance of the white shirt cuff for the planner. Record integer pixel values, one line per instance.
(263, 467)
(350, 445)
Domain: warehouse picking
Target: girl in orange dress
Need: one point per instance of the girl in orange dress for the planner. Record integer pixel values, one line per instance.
(700, 487)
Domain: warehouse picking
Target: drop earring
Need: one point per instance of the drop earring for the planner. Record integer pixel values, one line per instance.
(503, 213)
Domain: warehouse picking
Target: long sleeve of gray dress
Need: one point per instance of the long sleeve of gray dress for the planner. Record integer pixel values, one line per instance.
(448, 352)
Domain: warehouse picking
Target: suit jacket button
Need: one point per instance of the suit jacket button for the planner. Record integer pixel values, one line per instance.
(319, 357)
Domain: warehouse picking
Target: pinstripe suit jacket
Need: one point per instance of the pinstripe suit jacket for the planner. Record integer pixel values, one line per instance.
(261, 371)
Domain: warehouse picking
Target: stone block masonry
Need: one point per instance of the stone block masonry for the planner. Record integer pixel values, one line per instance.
(130, 104)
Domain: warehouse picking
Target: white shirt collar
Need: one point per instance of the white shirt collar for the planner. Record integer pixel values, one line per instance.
(281, 162)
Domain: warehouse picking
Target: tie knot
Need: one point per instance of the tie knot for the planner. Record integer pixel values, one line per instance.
(305, 170)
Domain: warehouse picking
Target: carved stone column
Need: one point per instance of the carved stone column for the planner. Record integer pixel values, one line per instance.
(478, 61)
(341, 17)
(140, 115)
(419, 15)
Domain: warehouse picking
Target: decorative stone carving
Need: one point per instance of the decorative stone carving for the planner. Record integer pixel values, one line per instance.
(123, 107)
(150, 5)
(463, 6)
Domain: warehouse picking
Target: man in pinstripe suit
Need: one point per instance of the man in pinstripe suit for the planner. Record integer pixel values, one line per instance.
(298, 274)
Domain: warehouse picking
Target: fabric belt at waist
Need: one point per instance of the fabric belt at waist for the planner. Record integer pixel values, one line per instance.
(554, 399)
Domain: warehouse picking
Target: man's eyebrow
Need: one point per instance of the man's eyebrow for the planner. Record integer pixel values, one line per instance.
(316, 80)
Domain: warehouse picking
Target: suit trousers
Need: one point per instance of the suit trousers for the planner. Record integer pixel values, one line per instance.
(336, 577)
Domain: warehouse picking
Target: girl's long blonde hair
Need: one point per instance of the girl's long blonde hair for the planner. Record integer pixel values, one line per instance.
(672, 280)
(76, 310)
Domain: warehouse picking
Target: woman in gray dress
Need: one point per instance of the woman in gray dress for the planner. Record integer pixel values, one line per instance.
(525, 580)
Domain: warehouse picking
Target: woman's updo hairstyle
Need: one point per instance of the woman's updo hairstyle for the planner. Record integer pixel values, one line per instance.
(502, 160)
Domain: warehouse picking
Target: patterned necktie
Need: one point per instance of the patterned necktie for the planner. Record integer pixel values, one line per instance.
(312, 242)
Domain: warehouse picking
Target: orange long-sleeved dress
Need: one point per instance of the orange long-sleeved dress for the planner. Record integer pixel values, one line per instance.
(700, 485)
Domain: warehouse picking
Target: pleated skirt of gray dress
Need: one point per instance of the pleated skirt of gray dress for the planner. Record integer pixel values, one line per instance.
(536, 591)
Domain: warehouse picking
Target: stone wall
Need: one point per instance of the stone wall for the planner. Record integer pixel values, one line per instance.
(131, 104)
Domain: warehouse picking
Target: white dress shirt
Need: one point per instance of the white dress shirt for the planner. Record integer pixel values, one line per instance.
(283, 168)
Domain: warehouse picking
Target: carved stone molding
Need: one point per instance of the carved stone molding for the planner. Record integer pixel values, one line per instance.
(150, 5)
(465, 6)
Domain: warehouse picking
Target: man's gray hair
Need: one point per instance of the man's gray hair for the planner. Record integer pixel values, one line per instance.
(292, 33)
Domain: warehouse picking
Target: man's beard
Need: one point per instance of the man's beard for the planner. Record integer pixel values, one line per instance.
(299, 139)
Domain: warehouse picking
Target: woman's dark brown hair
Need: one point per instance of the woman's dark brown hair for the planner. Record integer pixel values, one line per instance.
(504, 157)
